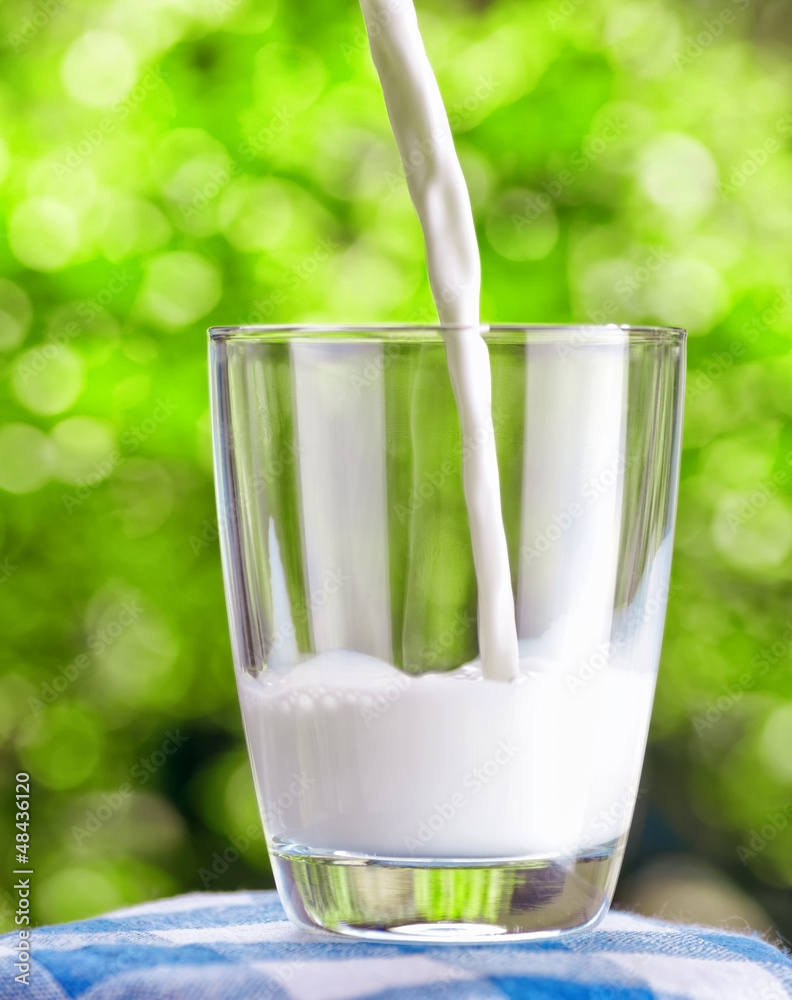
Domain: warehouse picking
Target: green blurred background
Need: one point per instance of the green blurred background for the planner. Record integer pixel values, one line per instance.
(168, 164)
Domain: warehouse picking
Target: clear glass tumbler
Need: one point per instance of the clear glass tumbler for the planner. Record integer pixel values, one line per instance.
(404, 796)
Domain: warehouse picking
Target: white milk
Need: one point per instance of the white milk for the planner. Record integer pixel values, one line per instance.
(352, 755)
(439, 193)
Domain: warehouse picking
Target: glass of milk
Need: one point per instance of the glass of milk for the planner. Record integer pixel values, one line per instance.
(407, 791)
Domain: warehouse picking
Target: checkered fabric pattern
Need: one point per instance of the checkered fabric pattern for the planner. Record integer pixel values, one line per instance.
(230, 946)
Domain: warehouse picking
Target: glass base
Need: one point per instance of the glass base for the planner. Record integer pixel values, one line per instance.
(454, 901)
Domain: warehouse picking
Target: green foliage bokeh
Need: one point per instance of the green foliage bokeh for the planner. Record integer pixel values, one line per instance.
(166, 165)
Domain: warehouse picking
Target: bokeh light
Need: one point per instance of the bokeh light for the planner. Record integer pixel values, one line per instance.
(98, 68)
(84, 448)
(62, 748)
(48, 380)
(15, 315)
(44, 233)
(26, 458)
(179, 288)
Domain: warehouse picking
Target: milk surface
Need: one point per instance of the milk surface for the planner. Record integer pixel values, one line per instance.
(352, 755)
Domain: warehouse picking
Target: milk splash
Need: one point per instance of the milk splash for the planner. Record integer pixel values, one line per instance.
(438, 191)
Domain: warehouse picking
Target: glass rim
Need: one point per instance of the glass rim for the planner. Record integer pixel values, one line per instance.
(593, 333)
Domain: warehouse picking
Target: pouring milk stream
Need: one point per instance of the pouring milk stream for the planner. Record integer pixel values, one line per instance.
(439, 192)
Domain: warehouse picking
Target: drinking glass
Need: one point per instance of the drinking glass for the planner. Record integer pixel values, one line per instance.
(404, 795)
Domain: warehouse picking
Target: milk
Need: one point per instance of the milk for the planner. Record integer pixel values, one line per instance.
(352, 755)
(439, 193)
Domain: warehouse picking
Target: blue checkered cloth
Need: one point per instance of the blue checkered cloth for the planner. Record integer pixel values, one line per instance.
(230, 946)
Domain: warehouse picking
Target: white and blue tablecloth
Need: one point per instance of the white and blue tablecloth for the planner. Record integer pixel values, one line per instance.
(239, 946)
